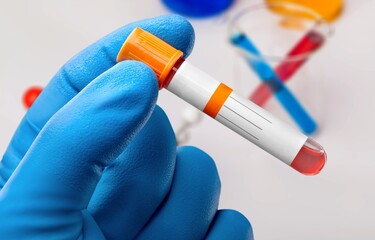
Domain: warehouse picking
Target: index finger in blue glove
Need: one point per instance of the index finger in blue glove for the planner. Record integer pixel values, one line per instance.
(79, 72)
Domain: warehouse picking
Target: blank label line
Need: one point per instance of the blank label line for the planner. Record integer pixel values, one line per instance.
(238, 126)
(243, 117)
(250, 109)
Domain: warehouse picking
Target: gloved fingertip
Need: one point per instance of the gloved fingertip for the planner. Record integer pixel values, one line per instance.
(237, 217)
(230, 224)
(183, 28)
(172, 28)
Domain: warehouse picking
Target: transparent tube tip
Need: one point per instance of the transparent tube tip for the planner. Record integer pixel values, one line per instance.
(310, 159)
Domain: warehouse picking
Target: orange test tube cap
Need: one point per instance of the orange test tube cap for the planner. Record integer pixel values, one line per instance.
(151, 50)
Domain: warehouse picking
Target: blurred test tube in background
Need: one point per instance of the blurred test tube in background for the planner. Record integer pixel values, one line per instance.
(282, 47)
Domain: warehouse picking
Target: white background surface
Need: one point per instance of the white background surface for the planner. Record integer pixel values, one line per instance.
(37, 37)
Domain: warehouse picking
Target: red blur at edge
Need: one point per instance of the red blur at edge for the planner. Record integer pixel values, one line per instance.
(286, 69)
(30, 96)
(309, 161)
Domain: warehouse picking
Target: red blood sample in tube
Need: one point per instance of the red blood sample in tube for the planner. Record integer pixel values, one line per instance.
(310, 159)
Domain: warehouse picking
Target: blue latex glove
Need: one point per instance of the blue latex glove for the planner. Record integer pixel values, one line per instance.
(94, 159)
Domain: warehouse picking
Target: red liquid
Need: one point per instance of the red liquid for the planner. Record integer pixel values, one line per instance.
(309, 43)
(31, 95)
(310, 159)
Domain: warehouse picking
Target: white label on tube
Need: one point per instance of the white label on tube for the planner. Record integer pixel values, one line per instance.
(193, 85)
(260, 127)
(239, 114)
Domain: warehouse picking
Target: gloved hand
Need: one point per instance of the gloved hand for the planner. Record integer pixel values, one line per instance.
(93, 158)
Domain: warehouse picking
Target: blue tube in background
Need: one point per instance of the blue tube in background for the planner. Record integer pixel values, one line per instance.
(198, 8)
(282, 93)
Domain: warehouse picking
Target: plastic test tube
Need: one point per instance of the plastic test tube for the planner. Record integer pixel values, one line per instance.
(221, 103)
(309, 43)
(269, 77)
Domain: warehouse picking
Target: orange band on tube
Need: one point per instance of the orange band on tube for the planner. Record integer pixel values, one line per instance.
(217, 100)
